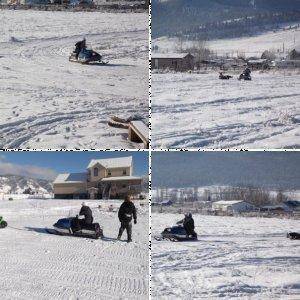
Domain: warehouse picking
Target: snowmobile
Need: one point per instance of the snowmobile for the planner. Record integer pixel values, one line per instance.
(293, 236)
(87, 56)
(74, 226)
(3, 223)
(245, 76)
(222, 76)
(176, 234)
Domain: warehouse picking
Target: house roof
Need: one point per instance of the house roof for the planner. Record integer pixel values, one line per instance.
(231, 202)
(169, 55)
(110, 163)
(120, 178)
(257, 61)
(71, 178)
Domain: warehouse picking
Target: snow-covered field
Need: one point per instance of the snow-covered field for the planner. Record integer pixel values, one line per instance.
(199, 110)
(241, 258)
(48, 102)
(282, 40)
(38, 265)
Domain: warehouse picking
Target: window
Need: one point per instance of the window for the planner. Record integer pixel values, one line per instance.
(96, 172)
(109, 173)
(124, 172)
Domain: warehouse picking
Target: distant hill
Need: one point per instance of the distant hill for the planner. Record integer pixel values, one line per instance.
(16, 184)
(211, 19)
(196, 169)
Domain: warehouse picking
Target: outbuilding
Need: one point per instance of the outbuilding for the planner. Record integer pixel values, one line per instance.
(173, 61)
(258, 64)
(232, 206)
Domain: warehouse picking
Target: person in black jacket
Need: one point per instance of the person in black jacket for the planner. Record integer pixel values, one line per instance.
(126, 213)
(87, 213)
(188, 224)
(81, 45)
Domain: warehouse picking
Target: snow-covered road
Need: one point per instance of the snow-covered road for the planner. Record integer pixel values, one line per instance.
(48, 102)
(37, 265)
(201, 111)
(241, 258)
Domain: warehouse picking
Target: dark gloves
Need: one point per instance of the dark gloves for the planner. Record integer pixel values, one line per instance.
(135, 221)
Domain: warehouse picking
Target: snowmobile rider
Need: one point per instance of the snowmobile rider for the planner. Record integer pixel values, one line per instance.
(188, 224)
(87, 213)
(126, 212)
(247, 72)
(79, 46)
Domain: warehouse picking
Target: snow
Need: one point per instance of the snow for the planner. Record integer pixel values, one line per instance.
(284, 40)
(169, 55)
(120, 178)
(228, 202)
(71, 178)
(141, 128)
(18, 184)
(37, 265)
(117, 162)
(242, 258)
(201, 111)
(49, 102)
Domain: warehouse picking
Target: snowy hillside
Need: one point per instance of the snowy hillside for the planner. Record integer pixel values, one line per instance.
(38, 265)
(281, 40)
(15, 184)
(242, 258)
(220, 18)
(50, 102)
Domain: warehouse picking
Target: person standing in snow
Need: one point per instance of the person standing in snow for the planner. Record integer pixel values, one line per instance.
(188, 224)
(126, 213)
(87, 213)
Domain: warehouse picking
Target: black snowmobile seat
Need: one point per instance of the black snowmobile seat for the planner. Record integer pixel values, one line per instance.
(293, 235)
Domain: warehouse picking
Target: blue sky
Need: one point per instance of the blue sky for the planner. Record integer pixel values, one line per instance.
(48, 164)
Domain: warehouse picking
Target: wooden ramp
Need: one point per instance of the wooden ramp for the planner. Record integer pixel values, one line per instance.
(138, 132)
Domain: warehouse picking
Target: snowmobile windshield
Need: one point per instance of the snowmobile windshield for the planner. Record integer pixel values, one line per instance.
(179, 230)
(64, 223)
(85, 54)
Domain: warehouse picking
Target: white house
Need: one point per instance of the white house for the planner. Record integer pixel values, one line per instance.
(103, 178)
(233, 206)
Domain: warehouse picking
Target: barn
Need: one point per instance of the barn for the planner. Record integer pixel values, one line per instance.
(258, 64)
(173, 61)
(232, 206)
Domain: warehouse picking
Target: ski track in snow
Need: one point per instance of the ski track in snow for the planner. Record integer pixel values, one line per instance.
(199, 110)
(38, 265)
(235, 258)
(48, 102)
